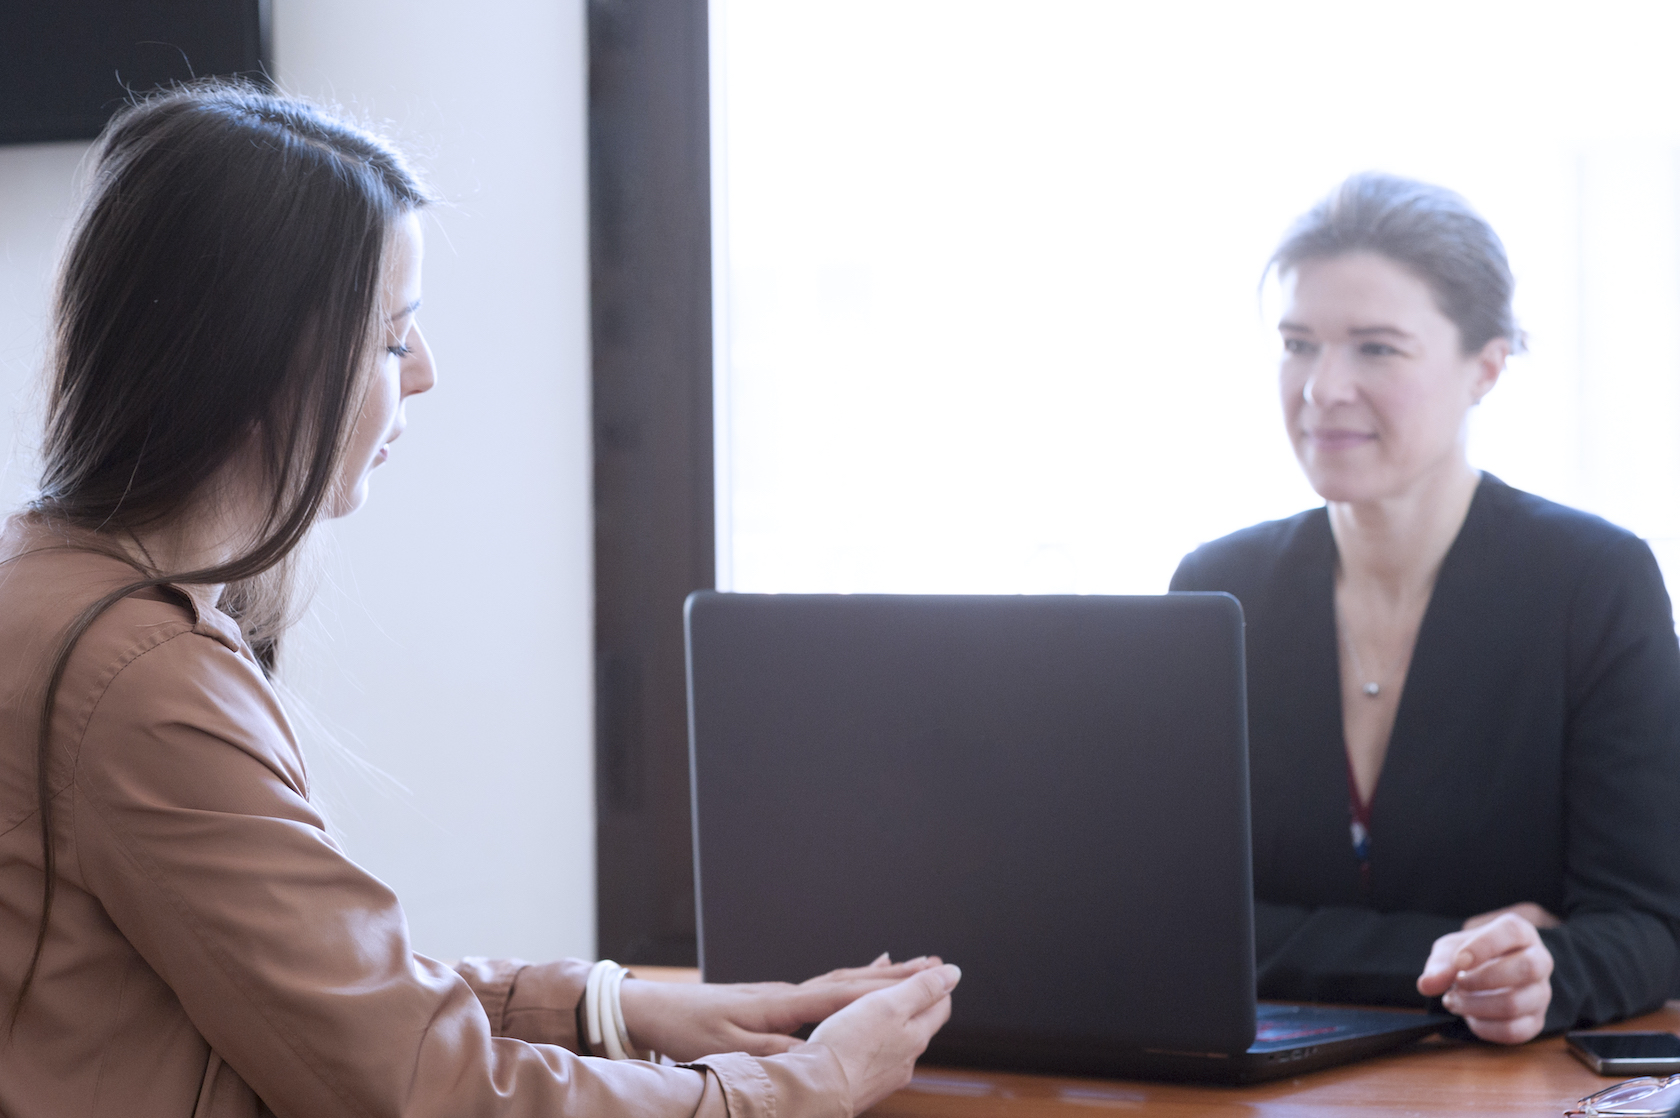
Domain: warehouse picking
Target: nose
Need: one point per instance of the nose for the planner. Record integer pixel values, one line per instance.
(1331, 379)
(419, 373)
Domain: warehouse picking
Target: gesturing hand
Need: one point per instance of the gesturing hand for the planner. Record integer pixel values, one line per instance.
(1497, 976)
(878, 1037)
(686, 1020)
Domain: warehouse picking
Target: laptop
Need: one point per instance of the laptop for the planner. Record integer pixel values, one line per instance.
(1051, 792)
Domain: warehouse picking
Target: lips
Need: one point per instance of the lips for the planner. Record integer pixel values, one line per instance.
(1339, 438)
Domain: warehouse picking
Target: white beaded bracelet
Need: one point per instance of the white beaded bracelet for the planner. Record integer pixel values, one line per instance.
(604, 1015)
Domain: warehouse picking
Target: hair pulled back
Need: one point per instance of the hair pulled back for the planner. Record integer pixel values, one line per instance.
(218, 302)
(1428, 230)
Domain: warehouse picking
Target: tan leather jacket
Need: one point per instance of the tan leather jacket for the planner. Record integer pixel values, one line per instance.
(212, 952)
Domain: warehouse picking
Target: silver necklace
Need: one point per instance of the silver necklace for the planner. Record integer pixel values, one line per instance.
(1370, 687)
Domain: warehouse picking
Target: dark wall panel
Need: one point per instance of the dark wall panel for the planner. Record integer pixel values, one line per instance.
(650, 260)
(67, 65)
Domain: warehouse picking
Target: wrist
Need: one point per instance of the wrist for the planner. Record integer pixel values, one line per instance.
(635, 996)
(605, 1031)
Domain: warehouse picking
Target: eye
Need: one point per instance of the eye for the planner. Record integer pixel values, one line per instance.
(1377, 349)
(399, 350)
(1299, 346)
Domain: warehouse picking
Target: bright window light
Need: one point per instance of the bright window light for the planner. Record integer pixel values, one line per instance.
(989, 316)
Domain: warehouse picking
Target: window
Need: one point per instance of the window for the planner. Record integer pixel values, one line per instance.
(986, 275)
(984, 310)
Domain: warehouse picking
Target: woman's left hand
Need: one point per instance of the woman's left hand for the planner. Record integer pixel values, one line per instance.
(686, 1021)
(1497, 976)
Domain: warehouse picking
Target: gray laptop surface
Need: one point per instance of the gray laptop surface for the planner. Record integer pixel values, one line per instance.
(1051, 792)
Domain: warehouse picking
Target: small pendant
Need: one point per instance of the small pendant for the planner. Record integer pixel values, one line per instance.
(1371, 690)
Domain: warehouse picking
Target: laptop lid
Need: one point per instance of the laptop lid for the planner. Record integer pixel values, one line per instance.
(1051, 792)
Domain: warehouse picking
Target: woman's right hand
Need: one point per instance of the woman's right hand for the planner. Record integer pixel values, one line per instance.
(878, 1037)
(1497, 976)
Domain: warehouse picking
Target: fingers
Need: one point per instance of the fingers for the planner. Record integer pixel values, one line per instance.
(1531, 965)
(881, 968)
(922, 992)
(1508, 1004)
(878, 1037)
(1458, 952)
(816, 1002)
(932, 1019)
(809, 1003)
(928, 996)
(1520, 1030)
(922, 1001)
(1439, 971)
(1496, 975)
(1501, 935)
(1503, 997)
(883, 964)
(913, 1009)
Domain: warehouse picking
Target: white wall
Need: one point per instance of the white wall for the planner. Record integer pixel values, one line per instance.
(450, 645)
(35, 200)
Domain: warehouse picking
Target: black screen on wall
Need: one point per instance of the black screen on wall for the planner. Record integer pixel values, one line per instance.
(67, 65)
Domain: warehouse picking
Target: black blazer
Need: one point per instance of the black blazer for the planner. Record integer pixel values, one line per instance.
(1535, 757)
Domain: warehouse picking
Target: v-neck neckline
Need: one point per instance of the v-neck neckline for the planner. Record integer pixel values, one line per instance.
(1362, 812)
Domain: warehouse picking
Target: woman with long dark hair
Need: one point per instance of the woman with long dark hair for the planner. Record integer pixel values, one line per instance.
(236, 340)
(1464, 700)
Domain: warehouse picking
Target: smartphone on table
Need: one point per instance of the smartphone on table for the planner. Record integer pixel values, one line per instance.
(1627, 1053)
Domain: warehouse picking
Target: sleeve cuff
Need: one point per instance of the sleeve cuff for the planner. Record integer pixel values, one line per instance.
(807, 1081)
(535, 1002)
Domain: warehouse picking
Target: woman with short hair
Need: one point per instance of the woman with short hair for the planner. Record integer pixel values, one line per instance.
(1464, 700)
(236, 341)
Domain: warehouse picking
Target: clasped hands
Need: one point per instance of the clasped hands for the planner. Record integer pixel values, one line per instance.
(1496, 973)
(875, 1019)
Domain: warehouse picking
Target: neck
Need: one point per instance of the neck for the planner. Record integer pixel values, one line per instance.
(1394, 545)
(179, 549)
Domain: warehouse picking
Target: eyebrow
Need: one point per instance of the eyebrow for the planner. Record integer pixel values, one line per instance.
(406, 311)
(1357, 332)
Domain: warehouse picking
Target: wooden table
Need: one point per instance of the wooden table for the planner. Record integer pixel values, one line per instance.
(1538, 1080)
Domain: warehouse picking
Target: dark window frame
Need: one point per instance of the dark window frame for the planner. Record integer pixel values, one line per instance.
(651, 322)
